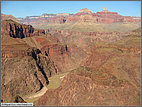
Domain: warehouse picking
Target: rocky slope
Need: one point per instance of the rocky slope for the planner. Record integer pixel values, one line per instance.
(85, 40)
(17, 30)
(103, 36)
(26, 75)
(25, 69)
(30, 58)
(109, 76)
(10, 30)
(77, 68)
(81, 90)
(9, 17)
(67, 57)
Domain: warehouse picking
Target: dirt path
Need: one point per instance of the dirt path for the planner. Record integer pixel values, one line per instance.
(62, 77)
(52, 84)
(38, 94)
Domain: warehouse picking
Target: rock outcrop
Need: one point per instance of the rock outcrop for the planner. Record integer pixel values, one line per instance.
(84, 15)
(25, 69)
(97, 68)
(26, 75)
(66, 57)
(105, 9)
(85, 11)
(19, 99)
(16, 30)
(109, 76)
(104, 16)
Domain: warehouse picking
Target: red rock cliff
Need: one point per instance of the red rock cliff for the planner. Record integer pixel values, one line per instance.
(16, 30)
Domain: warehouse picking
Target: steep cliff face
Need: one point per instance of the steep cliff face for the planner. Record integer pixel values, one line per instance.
(85, 10)
(104, 17)
(83, 15)
(26, 75)
(25, 69)
(28, 67)
(66, 57)
(44, 21)
(109, 76)
(16, 30)
(103, 68)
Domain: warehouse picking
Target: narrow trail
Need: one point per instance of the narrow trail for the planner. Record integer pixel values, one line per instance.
(38, 94)
(62, 77)
(43, 90)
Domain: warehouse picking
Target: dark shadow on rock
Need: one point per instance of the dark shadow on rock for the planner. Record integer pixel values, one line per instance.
(41, 85)
(42, 71)
(19, 99)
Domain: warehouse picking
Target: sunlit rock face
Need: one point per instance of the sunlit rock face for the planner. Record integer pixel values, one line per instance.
(16, 30)
(105, 9)
(105, 16)
(85, 10)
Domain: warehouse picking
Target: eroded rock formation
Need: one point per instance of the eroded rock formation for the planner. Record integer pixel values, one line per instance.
(109, 76)
(83, 15)
(23, 76)
(103, 67)
(16, 30)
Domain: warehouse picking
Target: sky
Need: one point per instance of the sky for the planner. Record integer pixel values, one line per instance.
(37, 8)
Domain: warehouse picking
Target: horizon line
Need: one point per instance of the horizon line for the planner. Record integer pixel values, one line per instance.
(65, 12)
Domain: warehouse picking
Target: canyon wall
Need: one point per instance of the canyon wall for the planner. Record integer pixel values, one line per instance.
(16, 30)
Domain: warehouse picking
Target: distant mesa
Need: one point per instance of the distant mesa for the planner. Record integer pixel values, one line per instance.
(63, 14)
(47, 15)
(85, 10)
(83, 15)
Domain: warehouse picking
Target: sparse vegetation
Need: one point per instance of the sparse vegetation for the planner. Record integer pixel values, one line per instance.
(55, 81)
(91, 27)
(78, 62)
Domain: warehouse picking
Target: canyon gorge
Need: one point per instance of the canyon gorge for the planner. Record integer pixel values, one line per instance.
(71, 59)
